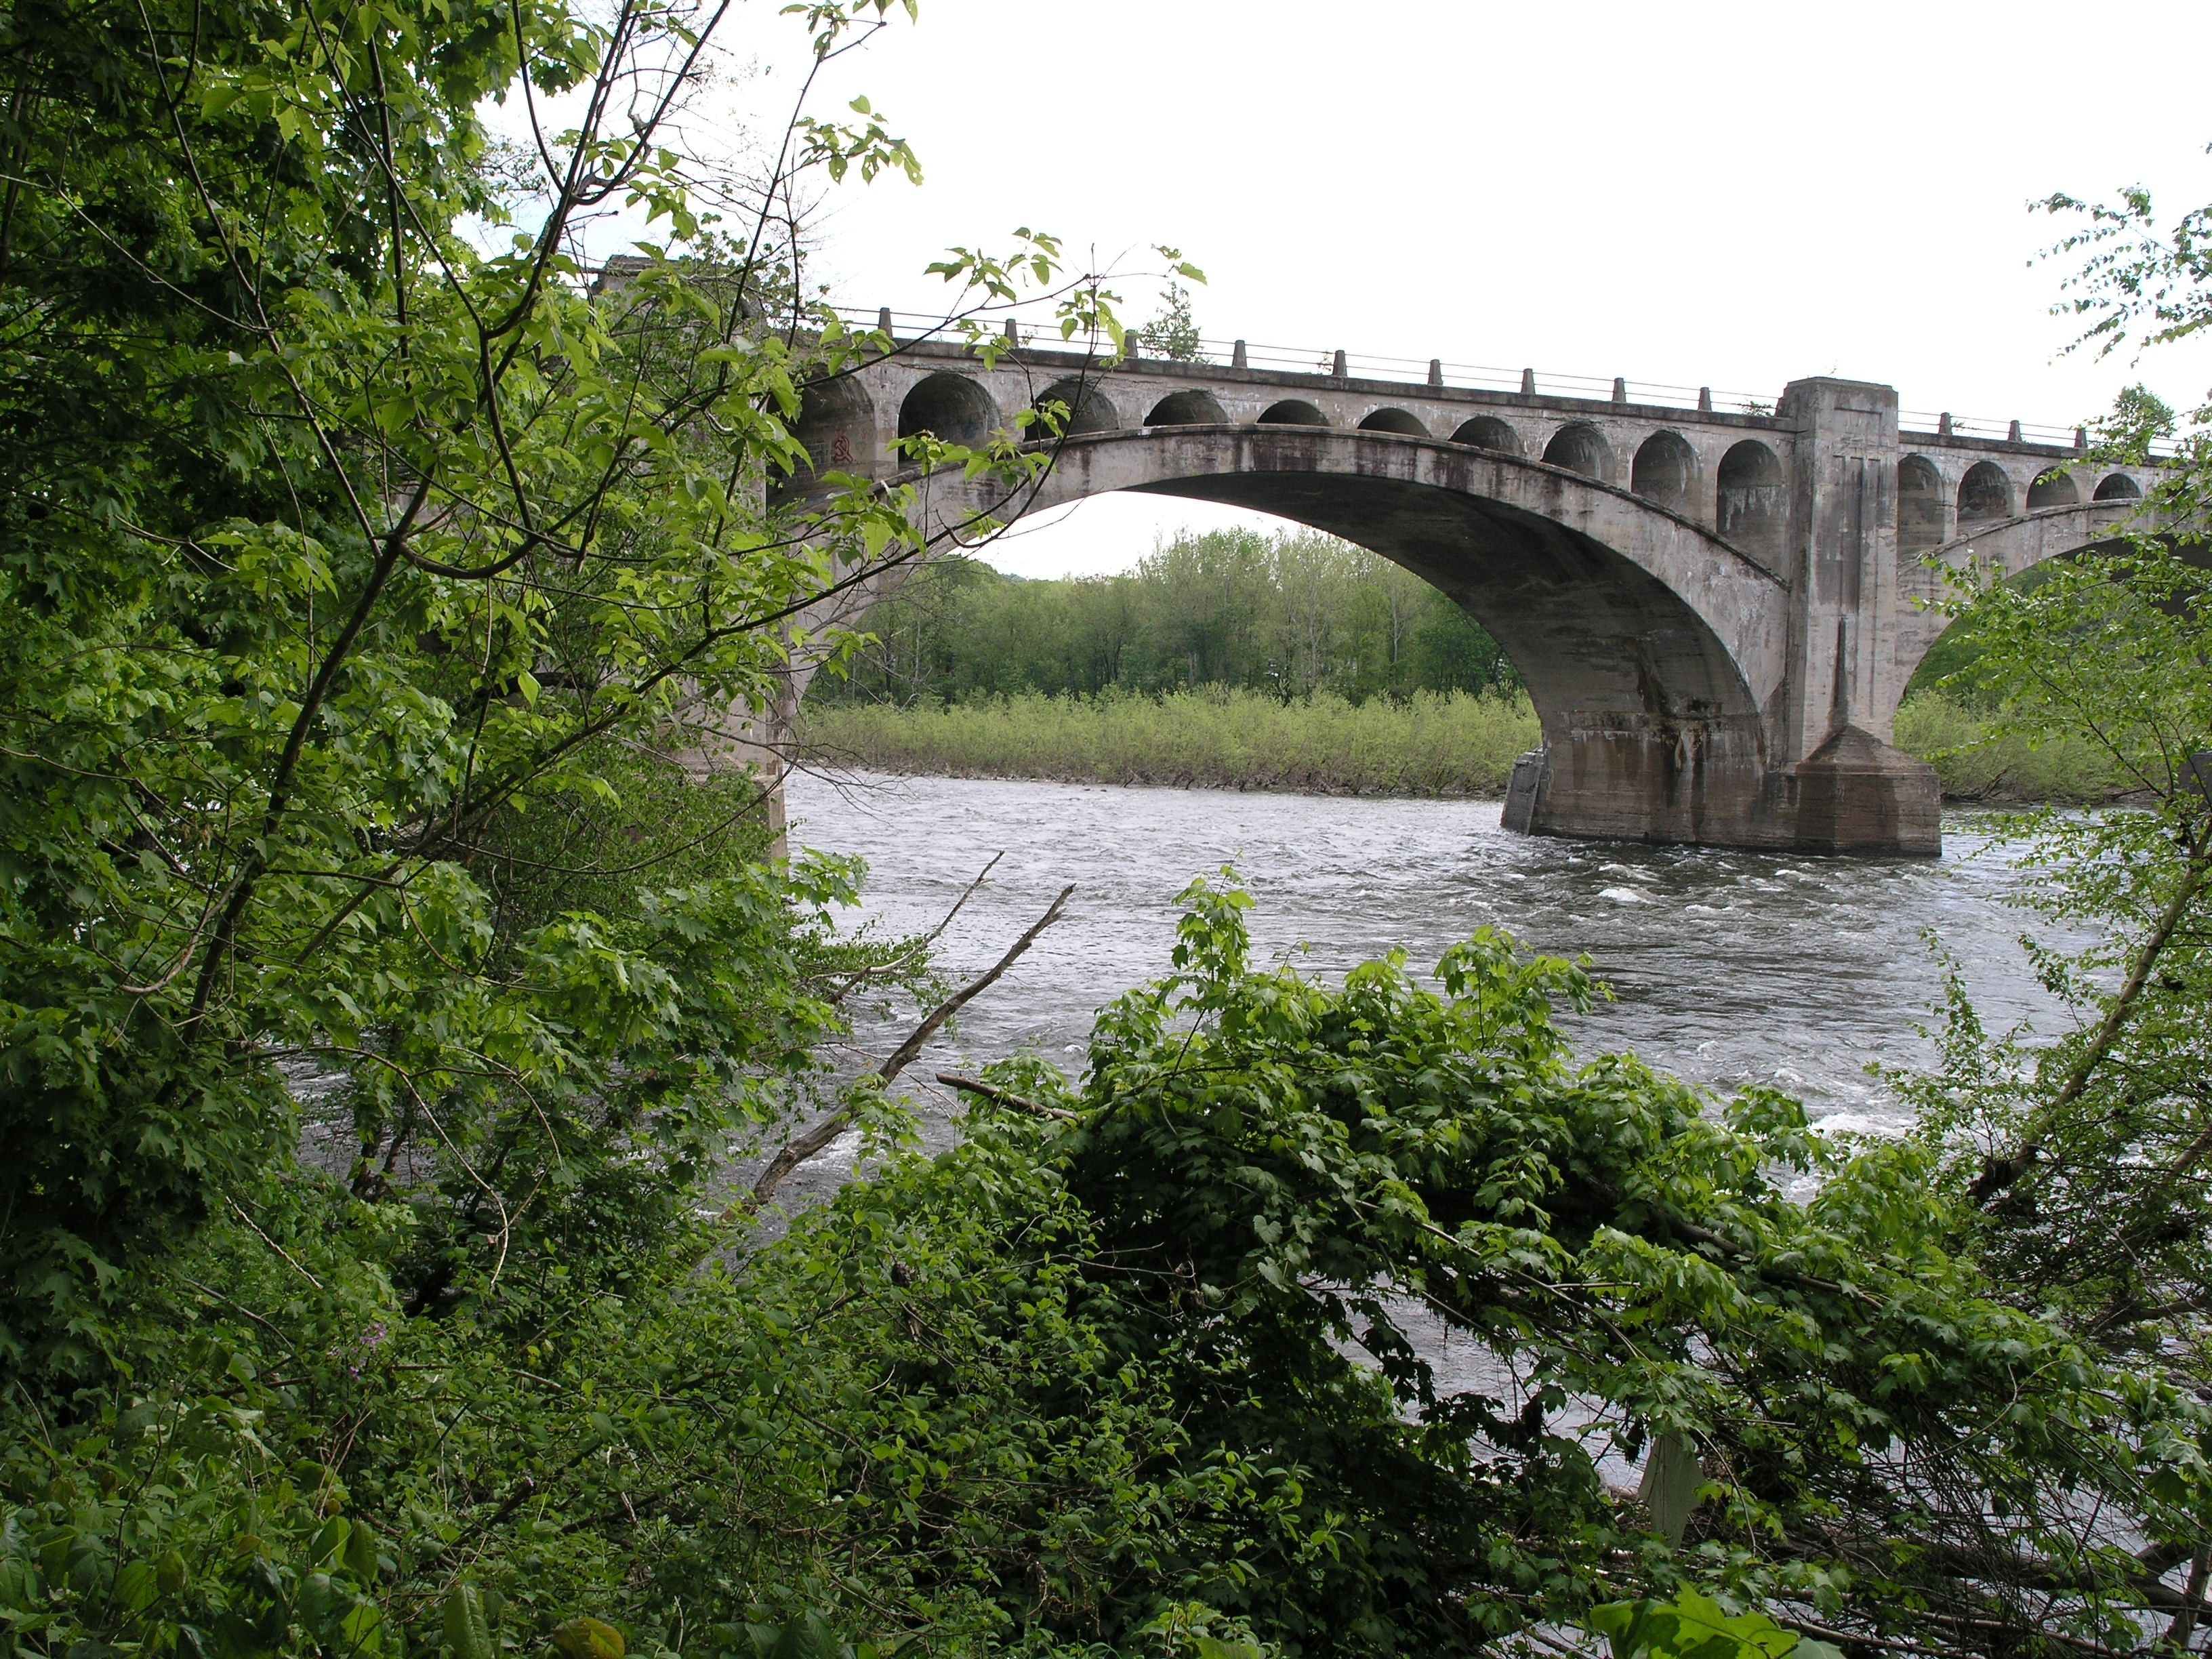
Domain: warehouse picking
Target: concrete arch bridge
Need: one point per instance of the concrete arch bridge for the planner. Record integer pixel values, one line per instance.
(1714, 611)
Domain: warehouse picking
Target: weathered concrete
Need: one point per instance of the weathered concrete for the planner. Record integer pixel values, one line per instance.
(1714, 612)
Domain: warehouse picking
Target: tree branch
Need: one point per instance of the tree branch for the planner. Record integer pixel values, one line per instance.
(805, 1145)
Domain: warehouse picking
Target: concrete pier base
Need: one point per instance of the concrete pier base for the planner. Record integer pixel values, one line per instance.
(1857, 795)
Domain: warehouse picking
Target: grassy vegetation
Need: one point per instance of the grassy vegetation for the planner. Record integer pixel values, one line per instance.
(1953, 737)
(1430, 744)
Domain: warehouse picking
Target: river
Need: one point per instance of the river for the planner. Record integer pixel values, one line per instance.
(1727, 967)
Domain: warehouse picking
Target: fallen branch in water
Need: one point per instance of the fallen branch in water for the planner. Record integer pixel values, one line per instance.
(801, 1148)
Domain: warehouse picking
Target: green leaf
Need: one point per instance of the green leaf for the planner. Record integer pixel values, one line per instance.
(136, 1585)
(467, 1627)
(1692, 1627)
(586, 1637)
(329, 1541)
(362, 1627)
(361, 1559)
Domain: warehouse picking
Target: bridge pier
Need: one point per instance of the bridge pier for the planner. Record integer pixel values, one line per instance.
(1843, 786)
(1857, 795)
(1816, 771)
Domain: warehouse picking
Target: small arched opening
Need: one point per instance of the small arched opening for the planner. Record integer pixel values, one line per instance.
(1488, 432)
(948, 406)
(1581, 447)
(1081, 407)
(1399, 421)
(2119, 487)
(1292, 411)
(1984, 493)
(1666, 472)
(1921, 505)
(2053, 487)
(1191, 408)
(1751, 508)
(836, 425)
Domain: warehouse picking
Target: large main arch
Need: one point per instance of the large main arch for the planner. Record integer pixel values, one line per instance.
(1653, 649)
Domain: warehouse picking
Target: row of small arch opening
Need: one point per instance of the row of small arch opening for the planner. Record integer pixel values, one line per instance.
(958, 410)
(1750, 500)
(1985, 493)
(1749, 497)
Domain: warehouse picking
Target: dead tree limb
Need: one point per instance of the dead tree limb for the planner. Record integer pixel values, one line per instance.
(804, 1147)
(883, 969)
(976, 1085)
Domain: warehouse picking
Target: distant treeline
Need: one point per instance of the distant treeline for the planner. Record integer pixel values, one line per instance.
(1289, 616)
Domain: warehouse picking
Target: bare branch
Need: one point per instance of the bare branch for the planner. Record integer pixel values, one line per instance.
(805, 1145)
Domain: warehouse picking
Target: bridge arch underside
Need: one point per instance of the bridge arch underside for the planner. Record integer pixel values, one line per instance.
(1651, 650)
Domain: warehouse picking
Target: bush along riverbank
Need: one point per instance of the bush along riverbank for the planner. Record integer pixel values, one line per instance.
(1448, 744)
(1980, 765)
(1428, 743)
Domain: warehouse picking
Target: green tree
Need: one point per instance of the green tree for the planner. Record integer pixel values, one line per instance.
(1173, 333)
(1289, 614)
(389, 975)
(1392, 1237)
(345, 553)
(2083, 1156)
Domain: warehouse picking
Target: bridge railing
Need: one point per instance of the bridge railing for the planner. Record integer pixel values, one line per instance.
(1974, 426)
(1411, 372)
(1443, 373)
(1435, 373)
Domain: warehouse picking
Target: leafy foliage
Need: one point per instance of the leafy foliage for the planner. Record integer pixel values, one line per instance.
(1317, 1318)
(372, 584)
(2082, 1158)
(1694, 1627)
(1174, 333)
(2084, 1152)
(1975, 764)
(1304, 1173)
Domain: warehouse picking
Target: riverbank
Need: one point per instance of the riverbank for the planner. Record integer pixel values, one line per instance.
(1432, 743)
(1978, 770)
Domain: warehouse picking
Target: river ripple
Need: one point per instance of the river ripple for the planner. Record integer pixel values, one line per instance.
(1728, 967)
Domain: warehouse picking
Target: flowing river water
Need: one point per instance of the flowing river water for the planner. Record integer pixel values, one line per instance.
(1727, 967)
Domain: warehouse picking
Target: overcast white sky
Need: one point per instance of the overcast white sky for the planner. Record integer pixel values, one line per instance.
(1722, 194)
